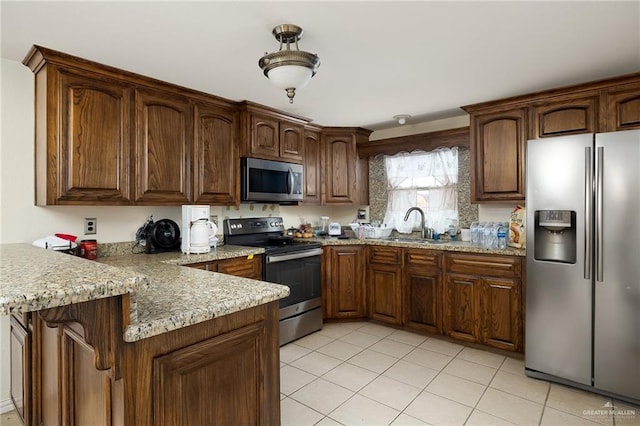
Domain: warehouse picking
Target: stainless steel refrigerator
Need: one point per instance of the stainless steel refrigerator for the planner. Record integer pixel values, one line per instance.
(583, 262)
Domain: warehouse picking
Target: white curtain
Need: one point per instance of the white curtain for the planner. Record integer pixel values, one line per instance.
(424, 179)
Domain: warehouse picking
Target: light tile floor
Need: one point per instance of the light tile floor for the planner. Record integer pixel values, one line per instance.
(367, 374)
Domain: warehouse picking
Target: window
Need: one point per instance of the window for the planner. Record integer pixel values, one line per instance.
(425, 179)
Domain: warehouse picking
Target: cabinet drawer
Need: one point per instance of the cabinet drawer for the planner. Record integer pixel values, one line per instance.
(385, 255)
(242, 267)
(205, 266)
(488, 265)
(419, 257)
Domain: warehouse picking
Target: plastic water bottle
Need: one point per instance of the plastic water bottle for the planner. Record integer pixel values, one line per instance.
(486, 241)
(502, 236)
(474, 233)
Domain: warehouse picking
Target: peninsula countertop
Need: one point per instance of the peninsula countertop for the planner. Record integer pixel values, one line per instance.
(164, 295)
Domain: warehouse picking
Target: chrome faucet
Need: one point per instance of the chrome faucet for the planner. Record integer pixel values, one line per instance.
(419, 210)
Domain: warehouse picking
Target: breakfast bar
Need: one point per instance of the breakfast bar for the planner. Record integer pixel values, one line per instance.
(111, 342)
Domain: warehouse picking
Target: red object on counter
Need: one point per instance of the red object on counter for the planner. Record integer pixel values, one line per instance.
(67, 237)
(89, 249)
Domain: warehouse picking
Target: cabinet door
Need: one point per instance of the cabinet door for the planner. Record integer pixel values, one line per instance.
(216, 163)
(90, 165)
(565, 117)
(291, 142)
(312, 170)
(247, 267)
(162, 148)
(461, 310)
(423, 290)
(501, 323)
(498, 153)
(385, 292)
(264, 137)
(423, 295)
(233, 363)
(20, 355)
(622, 105)
(344, 282)
(339, 170)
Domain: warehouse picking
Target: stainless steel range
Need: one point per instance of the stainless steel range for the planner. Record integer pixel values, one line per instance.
(294, 263)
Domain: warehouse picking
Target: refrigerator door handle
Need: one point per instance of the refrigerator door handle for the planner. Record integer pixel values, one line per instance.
(599, 212)
(588, 196)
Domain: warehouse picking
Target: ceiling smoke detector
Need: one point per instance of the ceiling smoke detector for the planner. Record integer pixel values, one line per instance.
(401, 118)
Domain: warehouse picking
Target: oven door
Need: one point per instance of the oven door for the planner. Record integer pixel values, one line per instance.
(300, 271)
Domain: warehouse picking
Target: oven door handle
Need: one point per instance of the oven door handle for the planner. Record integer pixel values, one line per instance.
(292, 256)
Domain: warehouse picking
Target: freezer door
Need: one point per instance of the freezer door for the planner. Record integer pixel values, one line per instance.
(559, 295)
(617, 287)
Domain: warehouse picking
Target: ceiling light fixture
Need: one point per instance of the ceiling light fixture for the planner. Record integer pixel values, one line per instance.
(401, 118)
(289, 69)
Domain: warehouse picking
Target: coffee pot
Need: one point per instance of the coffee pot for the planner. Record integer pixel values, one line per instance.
(198, 230)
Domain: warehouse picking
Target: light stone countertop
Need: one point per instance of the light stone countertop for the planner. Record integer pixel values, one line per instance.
(32, 279)
(180, 296)
(164, 295)
(451, 246)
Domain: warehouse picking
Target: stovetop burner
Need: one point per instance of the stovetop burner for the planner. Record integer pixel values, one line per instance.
(265, 232)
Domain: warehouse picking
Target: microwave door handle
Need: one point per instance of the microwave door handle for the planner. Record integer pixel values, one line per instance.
(291, 182)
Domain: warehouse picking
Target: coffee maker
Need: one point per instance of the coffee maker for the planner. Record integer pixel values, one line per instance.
(197, 229)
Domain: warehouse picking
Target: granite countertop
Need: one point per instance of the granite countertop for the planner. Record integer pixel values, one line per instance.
(164, 295)
(33, 278)
(178, 297)
(455, 246)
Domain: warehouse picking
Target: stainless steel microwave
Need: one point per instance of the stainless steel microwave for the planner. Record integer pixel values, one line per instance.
(271, 181)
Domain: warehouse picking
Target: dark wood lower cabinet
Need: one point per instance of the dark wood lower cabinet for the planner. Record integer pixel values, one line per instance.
(423, 290)
(20, 345)
(483, 300)
(461, 307)
(501, 309)
(246, 267)
(385, 296)
(221, 371)
(343, 288)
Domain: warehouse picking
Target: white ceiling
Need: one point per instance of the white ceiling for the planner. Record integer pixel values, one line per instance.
(378, 59)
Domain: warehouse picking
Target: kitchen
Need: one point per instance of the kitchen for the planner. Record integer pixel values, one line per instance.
(117, 224)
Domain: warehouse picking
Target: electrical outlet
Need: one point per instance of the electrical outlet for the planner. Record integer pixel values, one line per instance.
(90, 225)
(214, 219)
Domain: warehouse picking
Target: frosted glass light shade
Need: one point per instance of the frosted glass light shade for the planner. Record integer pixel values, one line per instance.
(290, 76)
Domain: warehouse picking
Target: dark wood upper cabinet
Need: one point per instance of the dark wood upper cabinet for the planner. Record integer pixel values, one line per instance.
(565, 117)
(82, 137)
(500, 128)
(271, 135)
(162, 148)
(216, 162)
(497, 151)
(312, 166)
(291, 142)
(105, 136)
(622, 106)
(265, 136)
(345, 174)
